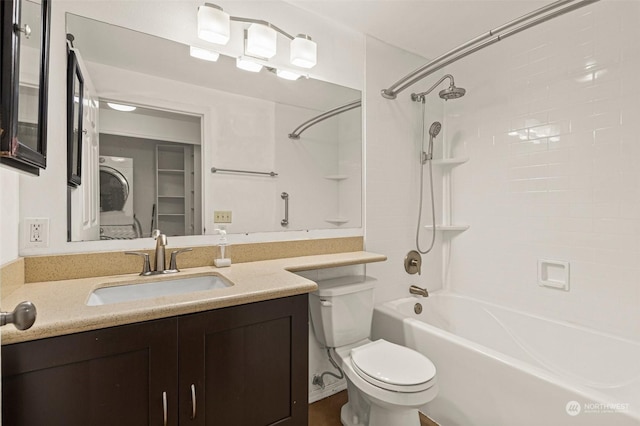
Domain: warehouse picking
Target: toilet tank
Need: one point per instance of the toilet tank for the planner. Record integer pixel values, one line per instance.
(341, 310)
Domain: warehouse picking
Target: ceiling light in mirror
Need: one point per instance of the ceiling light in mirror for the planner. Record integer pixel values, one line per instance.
(288, 75)
(260, 41)
(248, 65)
(304, 51)
(204, 54)
(121, 107)
(213, 24)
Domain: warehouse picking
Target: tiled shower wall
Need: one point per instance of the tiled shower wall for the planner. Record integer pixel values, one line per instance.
(551, 123)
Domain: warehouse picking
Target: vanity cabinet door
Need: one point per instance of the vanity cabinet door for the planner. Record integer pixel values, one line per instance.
(113, 376)
(245, 365)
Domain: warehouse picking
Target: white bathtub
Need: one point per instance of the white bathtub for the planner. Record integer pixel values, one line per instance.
(497, 366)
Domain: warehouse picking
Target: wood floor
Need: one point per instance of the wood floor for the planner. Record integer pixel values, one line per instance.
(326, 412)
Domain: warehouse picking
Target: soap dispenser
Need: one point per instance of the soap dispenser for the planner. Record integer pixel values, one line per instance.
(222, 261)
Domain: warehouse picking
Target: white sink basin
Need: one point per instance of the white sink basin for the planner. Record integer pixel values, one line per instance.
(140, 291)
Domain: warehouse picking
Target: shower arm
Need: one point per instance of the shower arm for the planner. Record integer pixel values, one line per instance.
(481, 42)
(315, 120)
(419, 97)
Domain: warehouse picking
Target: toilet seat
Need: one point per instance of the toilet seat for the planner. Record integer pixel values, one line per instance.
(393, 367)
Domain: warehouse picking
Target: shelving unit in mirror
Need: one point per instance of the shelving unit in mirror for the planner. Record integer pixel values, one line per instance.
(175, 188)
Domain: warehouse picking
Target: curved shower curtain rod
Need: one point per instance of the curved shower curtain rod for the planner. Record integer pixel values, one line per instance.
(483, 41)
(315, 120)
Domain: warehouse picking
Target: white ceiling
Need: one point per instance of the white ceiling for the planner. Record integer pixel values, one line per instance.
(426, 27)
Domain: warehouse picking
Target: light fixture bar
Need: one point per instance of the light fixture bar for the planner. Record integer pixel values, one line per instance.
(262, 22)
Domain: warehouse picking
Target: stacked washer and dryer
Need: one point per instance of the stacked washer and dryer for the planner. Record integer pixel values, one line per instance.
(117, 220)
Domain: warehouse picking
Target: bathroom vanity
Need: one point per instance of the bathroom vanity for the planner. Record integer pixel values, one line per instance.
(234, 355)
(242, 365)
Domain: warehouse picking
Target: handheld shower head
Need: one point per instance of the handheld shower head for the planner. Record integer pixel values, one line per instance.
(435, 129)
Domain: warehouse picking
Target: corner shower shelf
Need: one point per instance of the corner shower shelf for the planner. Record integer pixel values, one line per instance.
(449, 228)
(337, 177)
(456, 161)
(337, 220)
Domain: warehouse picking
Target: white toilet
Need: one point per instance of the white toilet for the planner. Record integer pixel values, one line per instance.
(386, 383)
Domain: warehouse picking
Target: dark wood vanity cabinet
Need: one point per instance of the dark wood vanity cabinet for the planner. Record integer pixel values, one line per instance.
(113, 376)
(244, 365)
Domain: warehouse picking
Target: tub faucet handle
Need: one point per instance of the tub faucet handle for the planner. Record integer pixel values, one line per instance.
(413, 262)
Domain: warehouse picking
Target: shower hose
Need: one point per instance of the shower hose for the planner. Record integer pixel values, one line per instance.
(433, 208)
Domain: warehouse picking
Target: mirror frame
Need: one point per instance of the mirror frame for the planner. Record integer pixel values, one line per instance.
(12, 152)
(74, 133)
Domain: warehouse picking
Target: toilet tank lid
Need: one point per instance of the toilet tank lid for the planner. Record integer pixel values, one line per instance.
(344, 285)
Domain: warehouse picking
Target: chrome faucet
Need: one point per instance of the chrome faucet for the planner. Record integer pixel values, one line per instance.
(160, 260)
(414, 289)
(161, 242)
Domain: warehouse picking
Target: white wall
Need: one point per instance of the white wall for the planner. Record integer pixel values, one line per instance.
(550, 123)
(393, 174)
(9, 215)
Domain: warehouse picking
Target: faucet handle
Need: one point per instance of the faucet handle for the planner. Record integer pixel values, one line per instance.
(146, 266)
(413, 263)
(174, 254)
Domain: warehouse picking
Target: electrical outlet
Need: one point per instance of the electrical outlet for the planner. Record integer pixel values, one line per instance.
(222, 216)
(36, 232)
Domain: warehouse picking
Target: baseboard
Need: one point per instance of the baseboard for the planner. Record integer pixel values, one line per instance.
(333, 388)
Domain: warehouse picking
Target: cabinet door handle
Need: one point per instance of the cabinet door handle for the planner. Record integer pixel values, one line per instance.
(193, 401)
(164, 408)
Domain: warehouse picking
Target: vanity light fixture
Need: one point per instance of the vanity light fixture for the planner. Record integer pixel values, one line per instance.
(247, 64)
(121, 107)
(260, 41)
(213, 24)
(204, 54)
(260, 38)
(304, 51)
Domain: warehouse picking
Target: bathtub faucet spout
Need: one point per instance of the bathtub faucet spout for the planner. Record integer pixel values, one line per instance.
(418, 291)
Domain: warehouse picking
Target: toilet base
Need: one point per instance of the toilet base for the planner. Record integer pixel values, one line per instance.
(380, 417)
(361, 410)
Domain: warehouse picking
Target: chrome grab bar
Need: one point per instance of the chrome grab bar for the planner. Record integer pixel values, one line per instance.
(250, 172)
(285, 197)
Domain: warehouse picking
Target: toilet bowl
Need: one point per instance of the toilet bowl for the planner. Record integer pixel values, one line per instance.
(386, 383)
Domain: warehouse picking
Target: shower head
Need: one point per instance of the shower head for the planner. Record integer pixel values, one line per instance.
(452, 92)
(435, 129)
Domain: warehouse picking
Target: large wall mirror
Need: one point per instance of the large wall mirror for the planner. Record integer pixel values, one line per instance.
(187, 145)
